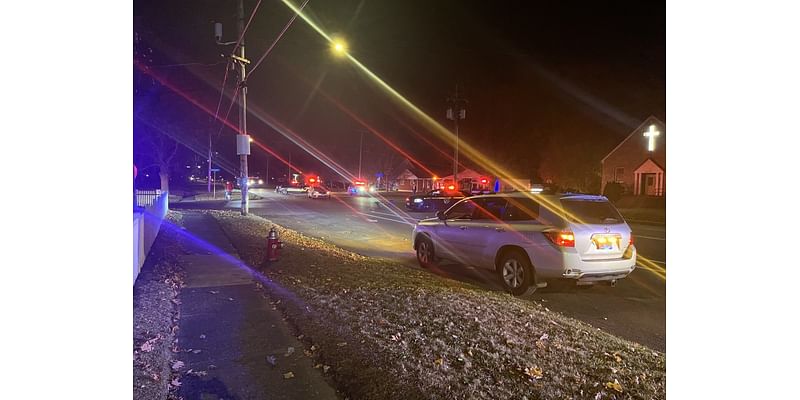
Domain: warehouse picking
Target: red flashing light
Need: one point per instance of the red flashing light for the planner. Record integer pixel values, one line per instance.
(360, 183)
(312, 180)
(484, 181)
(451, 187)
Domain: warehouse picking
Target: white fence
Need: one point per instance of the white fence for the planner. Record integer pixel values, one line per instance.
(149, 210)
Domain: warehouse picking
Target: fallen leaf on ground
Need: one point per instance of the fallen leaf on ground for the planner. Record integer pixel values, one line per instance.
(342, 344)
(615, 356)
(272, 360)
(148, 345)
(213, 291)
(534, 372)
(288, 375)
(614, 385)
(177, 365)
(318, 366)
(289, 352)
(197, 351)
(438, 362)
(202, 336)
(230, 298)
(308, 353)
(175, 382)
(325, 368)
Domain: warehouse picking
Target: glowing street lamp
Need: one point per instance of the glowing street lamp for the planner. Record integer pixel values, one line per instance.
(339, 47)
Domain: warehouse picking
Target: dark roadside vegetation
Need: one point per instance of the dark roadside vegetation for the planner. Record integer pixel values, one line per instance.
(387, 331)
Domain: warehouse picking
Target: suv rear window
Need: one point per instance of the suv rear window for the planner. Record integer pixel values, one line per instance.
(591, 211)
(521, 209)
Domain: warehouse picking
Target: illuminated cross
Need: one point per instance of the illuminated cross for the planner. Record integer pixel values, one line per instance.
(651, 134)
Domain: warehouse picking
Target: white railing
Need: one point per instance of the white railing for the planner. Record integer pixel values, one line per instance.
(149, 210)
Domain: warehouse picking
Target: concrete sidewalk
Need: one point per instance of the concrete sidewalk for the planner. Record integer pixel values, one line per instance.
(229, 335)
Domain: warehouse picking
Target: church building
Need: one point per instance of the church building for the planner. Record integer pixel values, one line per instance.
(639, 162)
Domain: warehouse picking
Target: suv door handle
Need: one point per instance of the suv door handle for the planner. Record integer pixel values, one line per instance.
(462, 227)
(499, 230)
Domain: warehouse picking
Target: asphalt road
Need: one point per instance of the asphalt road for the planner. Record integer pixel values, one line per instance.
(635, 309)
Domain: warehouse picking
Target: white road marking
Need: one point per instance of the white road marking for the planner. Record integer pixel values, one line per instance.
(635, 236)
(395, 215)
(388, 219)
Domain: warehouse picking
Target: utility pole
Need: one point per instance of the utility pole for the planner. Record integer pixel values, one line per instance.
(455, 112)
(242, 138)
(244, 148)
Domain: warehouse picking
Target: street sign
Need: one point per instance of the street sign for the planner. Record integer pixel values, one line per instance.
(214, 169)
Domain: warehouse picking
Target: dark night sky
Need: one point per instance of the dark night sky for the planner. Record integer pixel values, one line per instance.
(533, 72)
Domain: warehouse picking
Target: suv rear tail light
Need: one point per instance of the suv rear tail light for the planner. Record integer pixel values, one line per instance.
(630, 242)
(562, 238)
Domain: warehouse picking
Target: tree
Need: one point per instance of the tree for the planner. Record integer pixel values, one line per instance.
(157, 149)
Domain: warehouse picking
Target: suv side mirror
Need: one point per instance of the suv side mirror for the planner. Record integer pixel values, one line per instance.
(440, 215)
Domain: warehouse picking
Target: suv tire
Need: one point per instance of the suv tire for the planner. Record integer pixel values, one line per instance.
(516, 273)
(425, 253)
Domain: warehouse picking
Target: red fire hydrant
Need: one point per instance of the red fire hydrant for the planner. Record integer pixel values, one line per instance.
(273, 245)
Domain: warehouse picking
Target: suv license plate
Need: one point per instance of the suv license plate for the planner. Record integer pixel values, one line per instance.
(606, 241)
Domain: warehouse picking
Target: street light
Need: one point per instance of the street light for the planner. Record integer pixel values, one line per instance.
(339, 47)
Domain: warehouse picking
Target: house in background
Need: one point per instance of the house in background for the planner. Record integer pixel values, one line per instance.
(639, 162)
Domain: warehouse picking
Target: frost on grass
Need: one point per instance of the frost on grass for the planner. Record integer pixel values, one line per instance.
(411, 334)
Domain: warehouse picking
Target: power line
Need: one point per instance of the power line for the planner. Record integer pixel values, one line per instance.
(275, 42)
(222, 91)
(224, 79)
(241, 36)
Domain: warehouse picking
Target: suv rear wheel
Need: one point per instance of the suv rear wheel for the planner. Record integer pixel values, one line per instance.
(425, 253)
(517, 274)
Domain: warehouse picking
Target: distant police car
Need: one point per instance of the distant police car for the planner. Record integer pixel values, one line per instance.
(439, 199)
(359, 187)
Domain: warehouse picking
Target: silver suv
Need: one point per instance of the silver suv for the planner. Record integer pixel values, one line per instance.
(529, 239)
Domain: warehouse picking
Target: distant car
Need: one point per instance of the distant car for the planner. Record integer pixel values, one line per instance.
(317, 192)
(293, 188)
(439, 199)
(255, 181)
(530, 239)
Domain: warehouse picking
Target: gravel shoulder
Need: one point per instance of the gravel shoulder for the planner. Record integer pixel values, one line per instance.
(386, 331)
(155, 316)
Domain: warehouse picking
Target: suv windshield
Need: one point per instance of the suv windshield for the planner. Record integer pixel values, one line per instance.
(591, 211)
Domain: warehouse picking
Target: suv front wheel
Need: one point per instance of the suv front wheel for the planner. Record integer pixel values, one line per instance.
(517, 274)
(425, 253)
